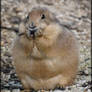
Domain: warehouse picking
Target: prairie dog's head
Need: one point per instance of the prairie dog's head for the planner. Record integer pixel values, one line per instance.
(37, 21)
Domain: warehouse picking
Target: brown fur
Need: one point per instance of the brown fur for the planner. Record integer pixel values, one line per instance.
(50, 59)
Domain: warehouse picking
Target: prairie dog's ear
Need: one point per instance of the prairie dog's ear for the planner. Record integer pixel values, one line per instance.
(22, 28)
(52, 15)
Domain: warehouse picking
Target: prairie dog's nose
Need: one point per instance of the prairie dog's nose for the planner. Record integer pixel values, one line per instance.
(32, 25)
(32, 28)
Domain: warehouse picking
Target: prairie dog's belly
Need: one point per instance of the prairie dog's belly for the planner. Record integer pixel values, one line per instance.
(38, 65)
(42, 68)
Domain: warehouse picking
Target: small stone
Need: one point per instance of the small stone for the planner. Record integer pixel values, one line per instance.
(86, 72)
(16, 90)
(58, 91)
(4, 33)
(7, 54)
(89, 90)
(69, 88)
(15, 20)
(2, 43)
(5, 90)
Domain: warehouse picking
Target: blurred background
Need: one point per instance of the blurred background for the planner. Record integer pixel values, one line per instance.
(74, 14)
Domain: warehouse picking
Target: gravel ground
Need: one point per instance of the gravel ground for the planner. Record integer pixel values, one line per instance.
(74, 14)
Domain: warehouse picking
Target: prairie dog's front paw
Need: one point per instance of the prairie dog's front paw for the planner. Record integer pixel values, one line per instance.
(38, 33)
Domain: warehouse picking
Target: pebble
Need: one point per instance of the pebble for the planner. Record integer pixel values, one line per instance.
(5, 91)
(7, 54)
(16, 90)
(86, 72)
(58, 91)
(2, 43)
(15, 20)
(89, 90)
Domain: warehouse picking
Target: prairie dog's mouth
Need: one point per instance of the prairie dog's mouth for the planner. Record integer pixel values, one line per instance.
(33, 33)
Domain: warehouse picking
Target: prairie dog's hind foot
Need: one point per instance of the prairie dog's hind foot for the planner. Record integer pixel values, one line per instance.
(66, 81)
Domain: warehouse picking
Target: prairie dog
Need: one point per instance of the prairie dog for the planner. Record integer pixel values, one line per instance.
(47, 54)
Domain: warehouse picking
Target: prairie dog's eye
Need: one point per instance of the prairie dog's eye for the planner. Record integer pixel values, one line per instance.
(43, 16)
(27, 17)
